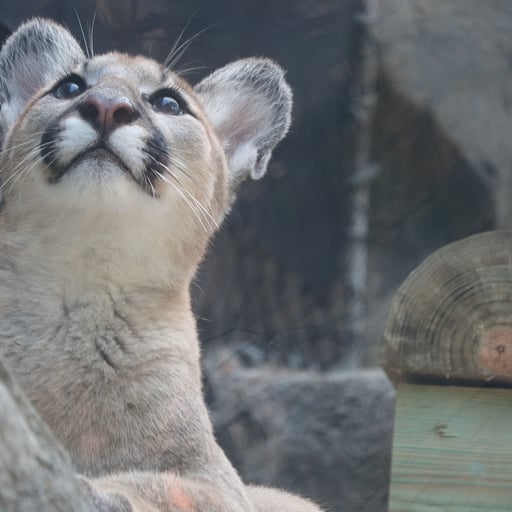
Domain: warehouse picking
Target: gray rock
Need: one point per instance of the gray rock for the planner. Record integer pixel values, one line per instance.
(325, 436)
(454, 60)
(35, 472)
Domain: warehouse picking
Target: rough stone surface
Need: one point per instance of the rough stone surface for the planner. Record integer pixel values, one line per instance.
(326, 436)
(35, 472)
(454, 59)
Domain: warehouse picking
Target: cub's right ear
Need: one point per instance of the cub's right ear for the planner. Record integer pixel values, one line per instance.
(37, 54)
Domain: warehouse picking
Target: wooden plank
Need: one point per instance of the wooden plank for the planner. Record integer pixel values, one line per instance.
(452, 450)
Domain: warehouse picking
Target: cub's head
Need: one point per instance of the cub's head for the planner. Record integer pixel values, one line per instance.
(123, 139)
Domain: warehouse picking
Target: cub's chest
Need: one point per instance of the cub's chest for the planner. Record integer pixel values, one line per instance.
(52, 339)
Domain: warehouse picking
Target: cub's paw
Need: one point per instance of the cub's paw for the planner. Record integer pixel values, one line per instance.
(273, 500)
(105, 502)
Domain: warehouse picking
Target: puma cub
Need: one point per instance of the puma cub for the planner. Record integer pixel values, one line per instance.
(115, 174)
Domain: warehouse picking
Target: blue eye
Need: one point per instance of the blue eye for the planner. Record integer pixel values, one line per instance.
(166, 102)
(69, 88)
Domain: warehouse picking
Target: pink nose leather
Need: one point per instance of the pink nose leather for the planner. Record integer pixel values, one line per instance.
(106, 114)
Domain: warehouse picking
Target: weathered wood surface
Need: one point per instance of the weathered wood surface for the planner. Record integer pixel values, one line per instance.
(35, 472)
(452, 317)
(452, 450)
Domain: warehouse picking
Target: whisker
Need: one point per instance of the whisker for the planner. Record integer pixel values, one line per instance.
(148, 182)
(184, 197)
(11, 177)
(19, 169)
(189, 194)
(159, 163)
(174, 159)
(179, 164)
(32, 153)
(23, 172)
(182, 48)
(91, 31)
(87, 52)
(178, 39)
(33, 140)
(23, 180)
(187, 71)
(202, 207)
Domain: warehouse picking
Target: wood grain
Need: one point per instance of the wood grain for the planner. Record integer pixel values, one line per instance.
(452, 450)
(452, 317)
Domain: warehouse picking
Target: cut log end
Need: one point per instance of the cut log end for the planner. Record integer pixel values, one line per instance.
(452, 317)
(495, 351)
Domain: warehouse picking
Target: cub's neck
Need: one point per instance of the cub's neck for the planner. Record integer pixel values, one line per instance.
(60, 265)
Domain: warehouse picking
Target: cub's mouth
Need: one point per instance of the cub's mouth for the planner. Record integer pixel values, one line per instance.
(99, 154)
(64, 151)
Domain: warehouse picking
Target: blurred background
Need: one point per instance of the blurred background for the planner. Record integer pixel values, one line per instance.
(399, 145)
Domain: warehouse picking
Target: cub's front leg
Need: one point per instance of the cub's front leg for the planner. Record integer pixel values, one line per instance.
(168, 492)
(273, 500)
(163, 492)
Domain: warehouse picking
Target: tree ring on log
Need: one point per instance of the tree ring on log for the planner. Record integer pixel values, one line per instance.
(451, 319)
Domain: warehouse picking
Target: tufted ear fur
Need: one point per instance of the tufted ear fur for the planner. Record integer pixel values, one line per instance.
(249, 105)
(37, 54)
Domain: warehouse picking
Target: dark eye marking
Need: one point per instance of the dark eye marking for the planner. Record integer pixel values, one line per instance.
(168, 101)
(69, 87)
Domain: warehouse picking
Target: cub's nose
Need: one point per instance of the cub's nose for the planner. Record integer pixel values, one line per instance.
(107, 114)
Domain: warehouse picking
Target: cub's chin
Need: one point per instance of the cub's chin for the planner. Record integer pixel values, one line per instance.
(97, 163)
(101, 166)
(97, 183)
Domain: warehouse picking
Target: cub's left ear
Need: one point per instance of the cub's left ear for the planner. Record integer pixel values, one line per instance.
(34, 56)
(249, 105)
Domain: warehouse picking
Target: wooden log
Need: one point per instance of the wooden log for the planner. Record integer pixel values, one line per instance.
(452, 318)
(451, 323)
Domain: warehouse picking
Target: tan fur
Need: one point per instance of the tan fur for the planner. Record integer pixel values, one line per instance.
(102, 227)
